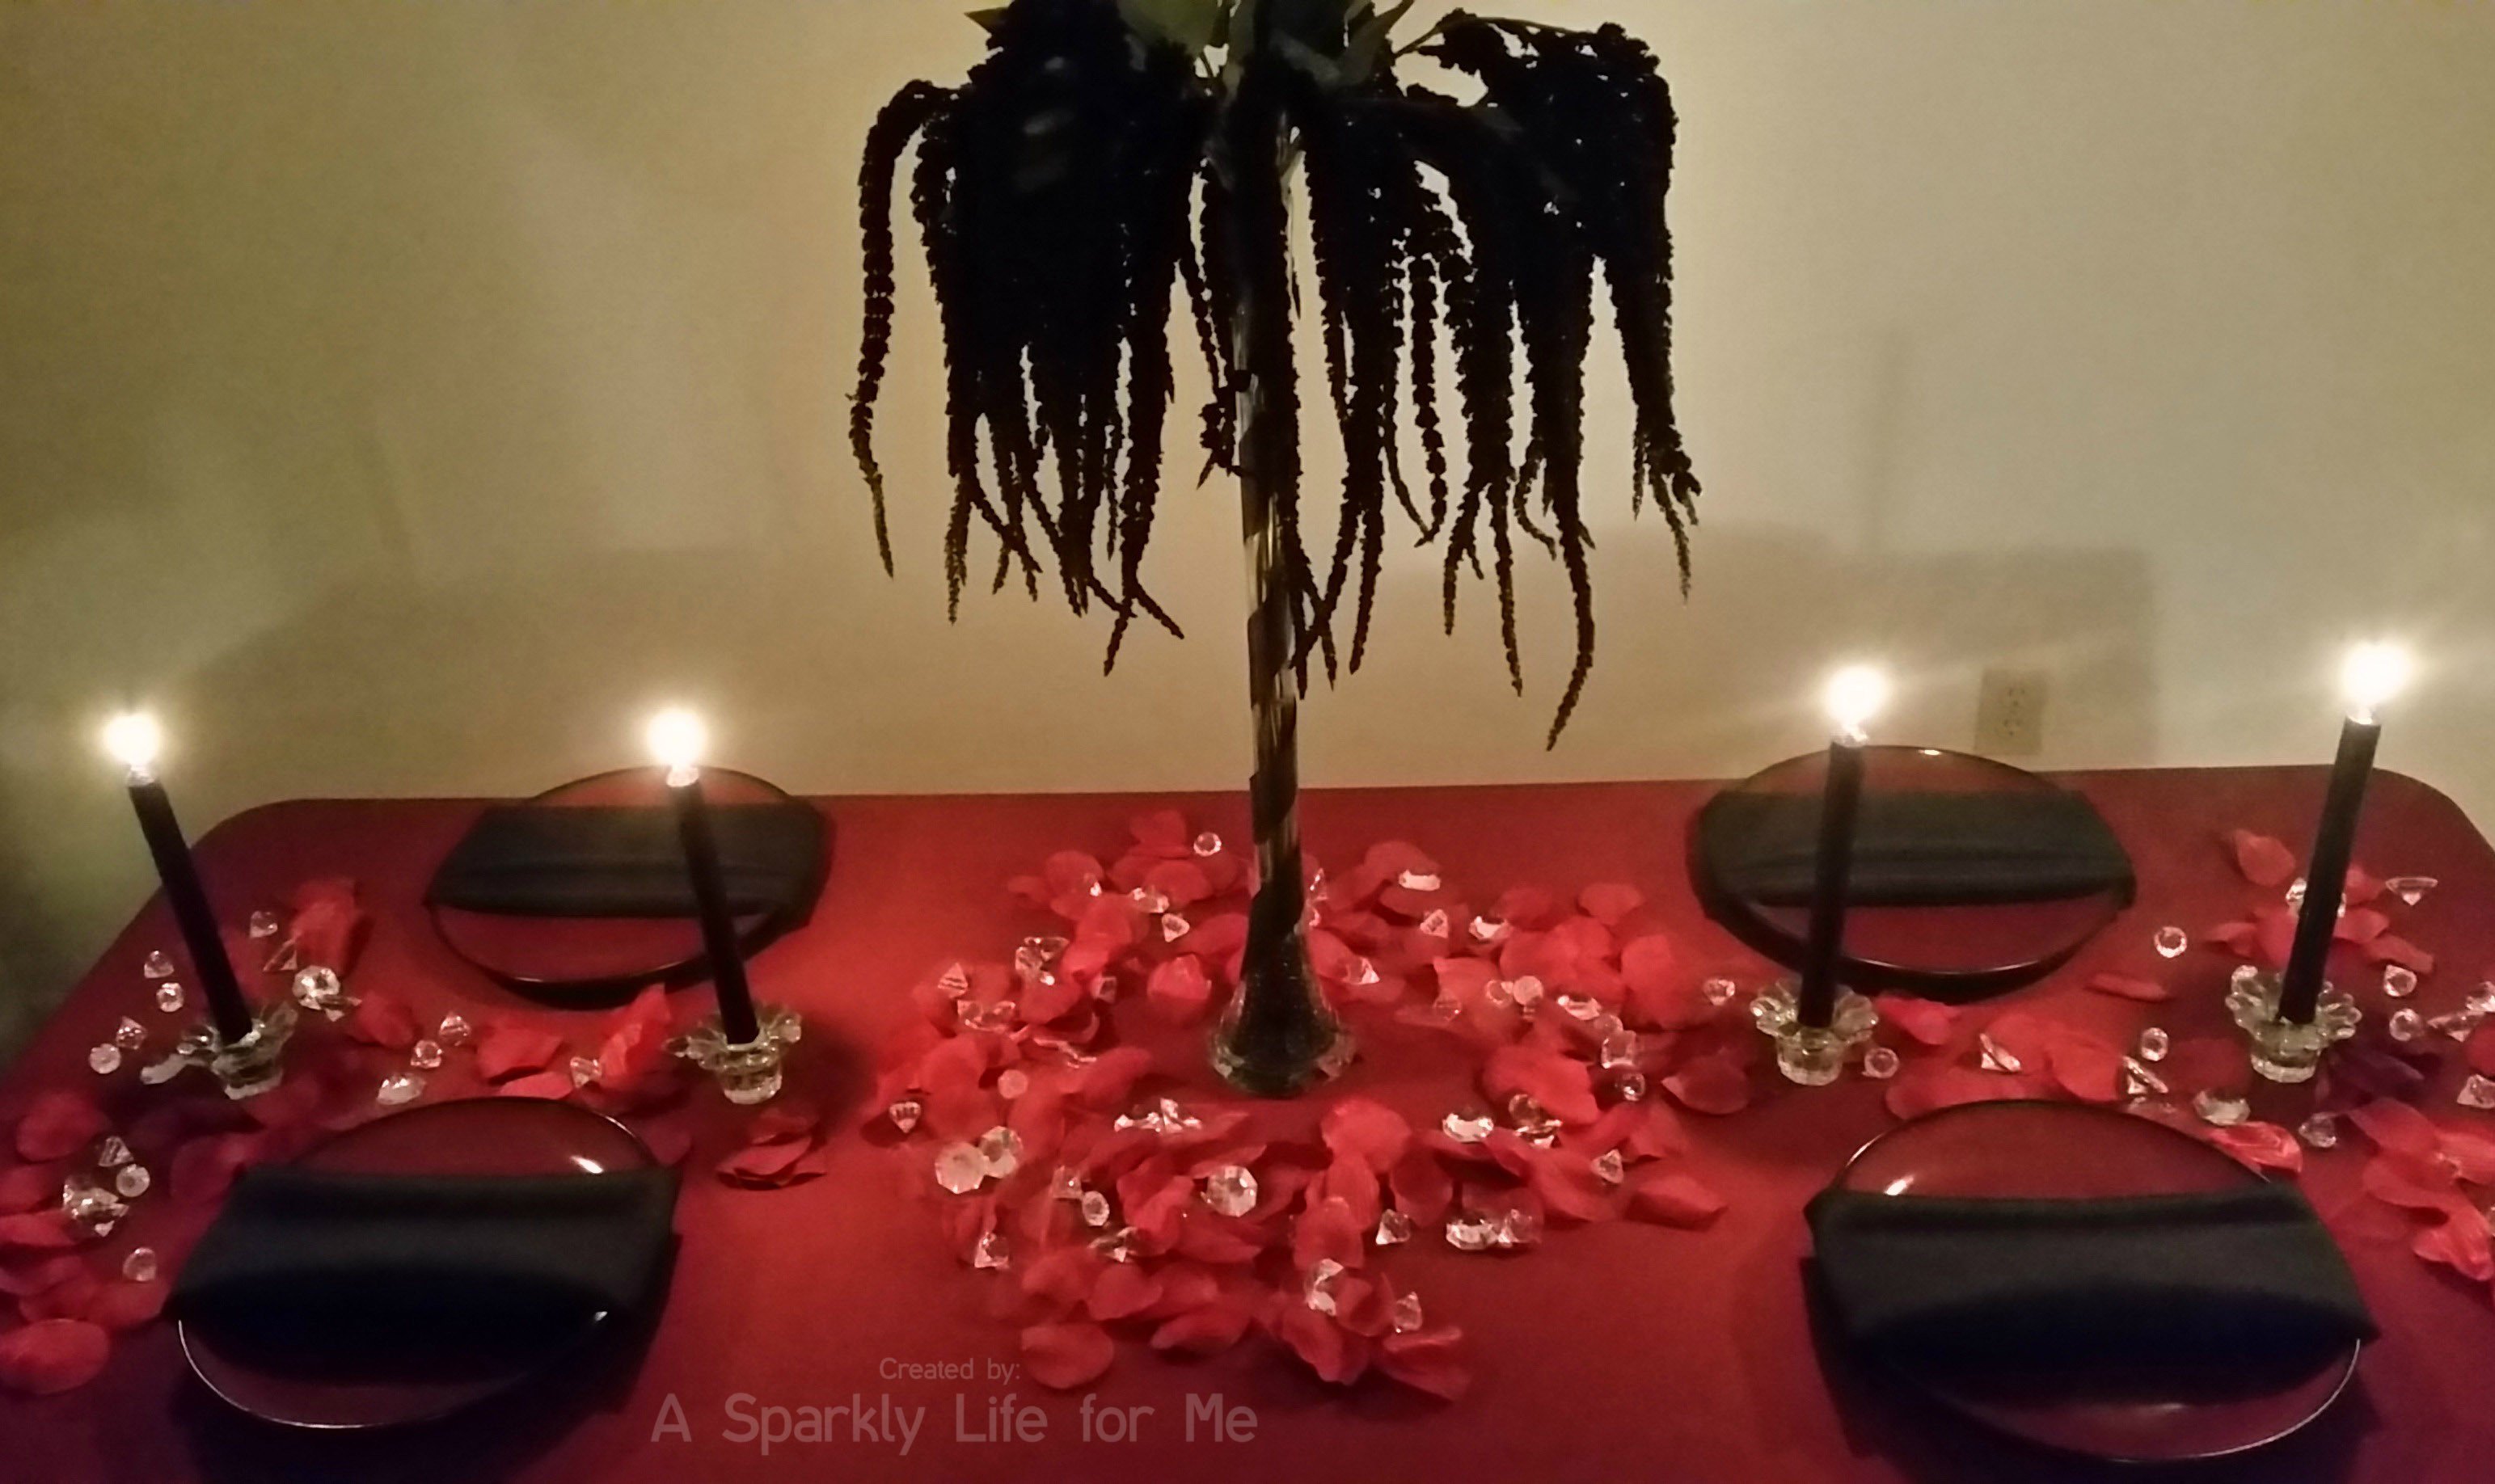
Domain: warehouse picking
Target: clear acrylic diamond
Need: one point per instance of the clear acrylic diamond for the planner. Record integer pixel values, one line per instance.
(991, 1252)
(1531, 1119)
(158, 965)
(2220, 1108)
(2139, 1082)
(1628, 1084)
(1468, 1128)
(961, 1167)
(2459, 1023)
(1998, 1057)
(400, 1087)
(905, 1114)
(111, 1153)
(1012, 1084)
(1418, 881)
(454, 1030)
(1318, 1291)
(1618, 1049)
(1405, 1316)
(2482, 1000)
(1231, 1189)
(1149, 899)
(1065, 1184)
(1117, 1246)
(1034, 957)
(1095, 1208)
(2295, 891)
(139, 1266)
(263, 925)
(1364, 972)
(90, 1206)
(1720, 991)
(1517, 1228)
(1487, 929)
(2411, 890)
(2477, 1092)
(2154, 1043)
(1001, 1148)
(105, 1059)
(1609, 1168)
(1578, 1007)
(1394, 1228)
(284, 961)
(1174, 927)
(131, 1181)
(1208, 844)
(169, 997)
(1434, 926)
(2321, 1131)
(425, 1055)
(1471, 1234)
(129, 1035)
(2406, 1025)
(2399, 980)
(583, 1070)
(1880, 1063)
(316, 988)
(2170, 942)
(986, 1014)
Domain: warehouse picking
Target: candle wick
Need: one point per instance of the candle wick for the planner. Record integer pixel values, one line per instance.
(140, 775)
(683, 776)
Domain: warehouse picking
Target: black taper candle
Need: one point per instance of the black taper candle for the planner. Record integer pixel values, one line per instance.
(228, 1011)
(1841, 800)
(2325, 879)
(710, 901)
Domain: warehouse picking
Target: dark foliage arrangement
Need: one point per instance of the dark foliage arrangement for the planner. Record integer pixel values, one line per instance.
(1104, 155)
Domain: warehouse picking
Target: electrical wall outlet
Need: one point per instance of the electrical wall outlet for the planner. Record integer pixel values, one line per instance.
(2010, 714)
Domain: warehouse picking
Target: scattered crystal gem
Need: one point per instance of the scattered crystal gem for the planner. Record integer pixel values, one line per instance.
(1997, 1056)
(1609, 1168)
(1518, 1229)
(991, 1252)
(1173, 926)
(2170, 942)
(2154, 1043)
(263, 925)
(1468, 1128)
(2295, 891)
(1394, 1228)
(583, 1070)
(2459, 1023)
(1880, 1063)
(1150, 900)
(131, 1181)
(1405, 1316)
(986, 1014)
(139, 1266)
(1001, 1149)
(2406, 1025)
(2139, 1082)
(105, 1059)
(905, 1114)
(1578, 1007)
(1418, 881)
(954, 983)
(1095, 1208)
(454, 1030)
(1526, 990)
(169, 997)
(286, 960)
(1208, 844)
(92, 1207)
(2223, 1109)
(400, 1087)
(1105, 988)
(1434, 926)
(1497, 991)
(1628, 1084)
(129, 1035)
(1618, 1049)
(961, 1167)
(158, 1073)
(2477, 1092)
(1364, 972)
(1471, 1234)
(1117, 1246)
(2245, 975)
(2399, 980)
(1446, 1007)
(2411, 890)
(1063, 1184)
(1033, 955)
(2482, 1000)
(1319, 1289)
(1012, 1084)
(2321, 1131)
(1487, 929)
(425, 1055)
(1720, 991)
(316, 988)
(1531, 1119)
(159, 965)
(1231, 1189)
(111, 1153)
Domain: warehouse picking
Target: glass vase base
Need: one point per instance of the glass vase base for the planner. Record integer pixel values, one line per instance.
(1813, 1055)
(249, 1065)
(2288, 1050)
(747, 1072)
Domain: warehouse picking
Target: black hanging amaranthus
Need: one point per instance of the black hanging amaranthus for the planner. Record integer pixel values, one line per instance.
(1107, 151)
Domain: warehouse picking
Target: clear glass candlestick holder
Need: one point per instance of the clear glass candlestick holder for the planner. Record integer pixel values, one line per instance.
(747, 1072)
(249, 1065)
(2288, 1050)
(1813, 1055)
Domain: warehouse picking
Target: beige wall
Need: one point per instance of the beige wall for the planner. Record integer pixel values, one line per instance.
(403, 397)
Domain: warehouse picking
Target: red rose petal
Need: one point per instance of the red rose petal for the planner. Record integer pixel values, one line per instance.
(762, 1163)
(1650, 968)
(2265, 860)
(1710, 1084)
(1183, 882)
(1329, 1228)
(382, 1018)
(553, 1087)
(1206, 1330)
(2086, 1068)
(203, 1168)
(1561, 1084)
(1121, 1291)
(24, 1187)
(1367, 1130)
(1179, 991)
(1162, 833)
(57, 1125)
(1422, 1186)
(1671, 1199)
(53, 1357)
(2401, 1182)
(2396, 1128)
(1608, 901)
(1111, 1078)
(2461, 1241)
(1064, 1357)
(328, 928)
(2126, 986)
(2391, 947)
(1217, 937)
(2261, 1145)
(123, 1305)
(510, 1048)
(1927, 1022)
(1333, 1353)
(1427, 1360)
(1531, 908)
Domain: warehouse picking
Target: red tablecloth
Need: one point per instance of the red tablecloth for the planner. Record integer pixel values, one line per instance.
(1619, 1351)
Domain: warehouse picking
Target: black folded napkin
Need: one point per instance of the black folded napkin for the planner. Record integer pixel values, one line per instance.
(1917, 849)
(2243, 1277)
(624, 861)
(316, 1268)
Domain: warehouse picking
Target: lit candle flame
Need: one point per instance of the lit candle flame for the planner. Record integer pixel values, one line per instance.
(677, 739)
(2372, 674)
(134, 739)
(1855, 695)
